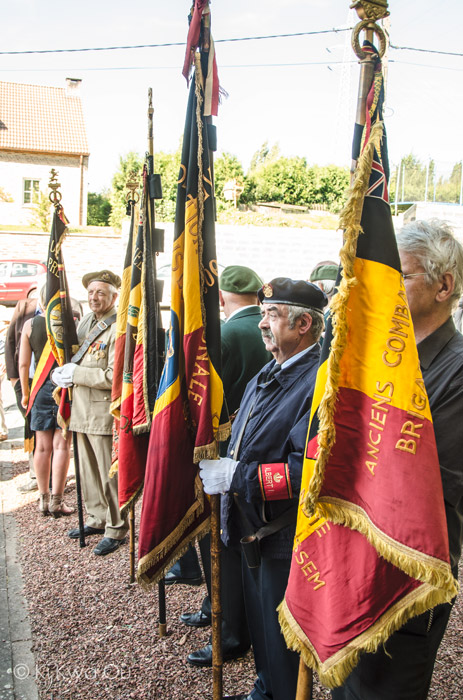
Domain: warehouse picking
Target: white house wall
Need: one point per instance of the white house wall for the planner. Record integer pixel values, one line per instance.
(17, 167)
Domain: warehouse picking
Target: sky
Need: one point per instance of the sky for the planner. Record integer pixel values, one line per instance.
(298, 92)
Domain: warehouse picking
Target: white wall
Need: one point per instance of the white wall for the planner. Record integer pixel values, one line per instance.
(16, 167)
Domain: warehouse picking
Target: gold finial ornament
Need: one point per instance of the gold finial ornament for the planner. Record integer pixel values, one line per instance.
(371, 9)
(369, 12)
(132, 186)
(55, 195)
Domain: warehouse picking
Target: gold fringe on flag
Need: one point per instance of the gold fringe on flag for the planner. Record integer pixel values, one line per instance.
(333, 673)
(349, 221)
(147, 562)
(425, 569)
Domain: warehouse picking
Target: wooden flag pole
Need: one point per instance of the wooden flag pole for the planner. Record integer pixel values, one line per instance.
(216, 546)
(216, 606)
(132, 542)
(304, 682)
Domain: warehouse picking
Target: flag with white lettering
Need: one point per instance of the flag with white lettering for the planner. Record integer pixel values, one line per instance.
(189, 415)
(137, 353)
(62, 340)
(371, 544)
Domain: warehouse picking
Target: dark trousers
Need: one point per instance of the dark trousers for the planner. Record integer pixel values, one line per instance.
(28, 433)
(277, 667)
(235, 633)
(406, 673)
(18, 396)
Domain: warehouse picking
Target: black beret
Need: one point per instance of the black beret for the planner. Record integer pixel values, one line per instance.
(239, 280)
(283, 290)
(101, 276)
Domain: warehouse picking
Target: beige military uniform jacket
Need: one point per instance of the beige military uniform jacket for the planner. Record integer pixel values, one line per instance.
(93, 377)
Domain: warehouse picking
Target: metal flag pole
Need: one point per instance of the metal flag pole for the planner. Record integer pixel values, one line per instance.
(55, 199)
(369, 11)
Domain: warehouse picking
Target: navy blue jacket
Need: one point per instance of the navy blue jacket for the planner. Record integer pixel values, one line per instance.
(276, 432)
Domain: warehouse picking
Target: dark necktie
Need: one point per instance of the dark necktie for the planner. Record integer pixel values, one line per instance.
(273, 370)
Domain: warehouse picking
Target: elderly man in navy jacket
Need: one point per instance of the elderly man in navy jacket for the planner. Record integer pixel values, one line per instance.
(262, 472)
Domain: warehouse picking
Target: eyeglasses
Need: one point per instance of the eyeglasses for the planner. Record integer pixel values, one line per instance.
(414, 274)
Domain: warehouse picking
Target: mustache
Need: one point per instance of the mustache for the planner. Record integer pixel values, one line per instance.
(268, 334)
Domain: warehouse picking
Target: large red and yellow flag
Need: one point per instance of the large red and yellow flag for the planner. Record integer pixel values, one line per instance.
(137, 353)
(62, 340)
(371, 544)
(189, 414)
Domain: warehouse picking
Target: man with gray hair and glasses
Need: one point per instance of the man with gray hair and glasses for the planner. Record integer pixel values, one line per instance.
(432, 266)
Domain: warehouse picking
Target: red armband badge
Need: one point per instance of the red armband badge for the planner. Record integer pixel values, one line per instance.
(274, 480)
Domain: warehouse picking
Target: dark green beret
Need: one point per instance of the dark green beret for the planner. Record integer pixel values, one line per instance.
(324, 272)
(101, 276)
(283, 290)
(239, 280)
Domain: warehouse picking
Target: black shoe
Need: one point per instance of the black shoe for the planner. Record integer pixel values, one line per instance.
(197, 619)
(107, 545)
(74, 534)
(203, 657)
(237, 697)
(172, 577)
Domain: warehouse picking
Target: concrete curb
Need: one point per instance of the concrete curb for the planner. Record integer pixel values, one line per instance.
(17, 663)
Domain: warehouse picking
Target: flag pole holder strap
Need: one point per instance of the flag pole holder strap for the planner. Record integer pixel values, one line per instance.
(370, 26)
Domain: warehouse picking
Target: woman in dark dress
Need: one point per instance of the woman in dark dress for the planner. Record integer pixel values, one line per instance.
(52, 451)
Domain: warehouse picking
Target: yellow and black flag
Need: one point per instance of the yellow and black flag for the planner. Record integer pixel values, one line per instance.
(137, 353)
(371, 545)
(62, 340)
(189, 415)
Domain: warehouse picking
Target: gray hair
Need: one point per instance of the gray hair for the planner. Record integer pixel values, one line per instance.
(437, 250)
(318, 320)
(328, 286)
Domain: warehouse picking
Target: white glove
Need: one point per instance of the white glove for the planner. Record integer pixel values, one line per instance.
(217, 474)
(62, 376)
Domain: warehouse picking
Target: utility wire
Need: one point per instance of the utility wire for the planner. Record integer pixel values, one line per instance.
(178, 43)
(334, 30)
(222, 67)
(409, 48)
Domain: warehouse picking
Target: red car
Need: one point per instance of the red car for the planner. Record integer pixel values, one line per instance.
(20, 279)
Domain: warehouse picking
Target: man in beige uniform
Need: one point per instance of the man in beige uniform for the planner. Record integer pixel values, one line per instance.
(91, 375)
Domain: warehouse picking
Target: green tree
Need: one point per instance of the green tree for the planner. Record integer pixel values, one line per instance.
(448, 189)
(285, 180)
(168, 166)
(131, 163)
(264, 154)
(330, 187)
(411, 175)
(98, 209)
(41, 212)
(5, 196)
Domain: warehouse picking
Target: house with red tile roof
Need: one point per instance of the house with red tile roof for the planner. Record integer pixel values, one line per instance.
(42, 128)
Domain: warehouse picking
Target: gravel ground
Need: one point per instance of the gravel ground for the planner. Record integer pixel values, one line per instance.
(96, 637)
